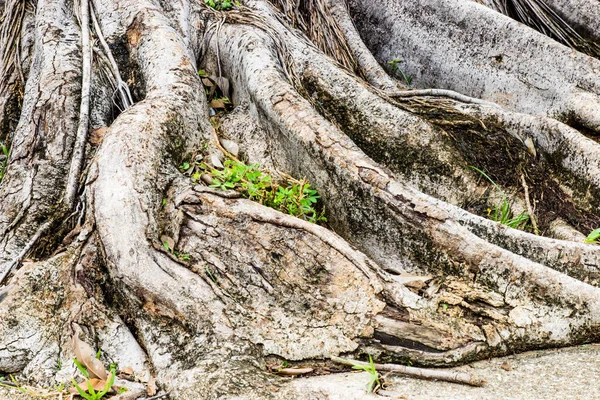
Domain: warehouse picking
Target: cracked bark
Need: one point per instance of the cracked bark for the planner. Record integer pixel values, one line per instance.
(393, 172)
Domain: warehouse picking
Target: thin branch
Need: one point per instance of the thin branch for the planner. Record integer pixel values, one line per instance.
(84, 110)
(528, 204)
(421, 373)
(158, 396)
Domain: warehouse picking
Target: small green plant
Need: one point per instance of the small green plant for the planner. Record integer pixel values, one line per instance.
(291, 196)
(5, 151)
(91, 393)
(374, 379)
(502, 213)
(594, 236)
(13, 384)
(219, 5)
(182, 256)
(396, 70)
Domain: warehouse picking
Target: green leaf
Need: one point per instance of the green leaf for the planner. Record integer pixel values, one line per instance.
(593, 236)
(81, 392)
(81, 368)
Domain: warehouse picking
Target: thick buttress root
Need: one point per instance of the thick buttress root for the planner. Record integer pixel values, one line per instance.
(406, 272)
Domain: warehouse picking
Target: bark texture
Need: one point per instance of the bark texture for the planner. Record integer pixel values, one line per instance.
(407, 269)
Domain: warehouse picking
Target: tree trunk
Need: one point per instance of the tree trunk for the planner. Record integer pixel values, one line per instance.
(101, 102)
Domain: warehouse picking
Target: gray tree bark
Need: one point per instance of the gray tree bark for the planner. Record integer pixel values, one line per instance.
(408, 267)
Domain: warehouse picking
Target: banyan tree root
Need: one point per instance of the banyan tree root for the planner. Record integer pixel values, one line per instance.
(484, 57)
(404, 270)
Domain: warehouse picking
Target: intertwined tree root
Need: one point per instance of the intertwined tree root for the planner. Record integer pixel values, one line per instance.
(406, 269)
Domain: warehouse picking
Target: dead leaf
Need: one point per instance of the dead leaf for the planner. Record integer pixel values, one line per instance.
(505, 366)
(417, 281)
(151, 387)
(207, 82)
(87, 357)
(97, 135)
(97, 384)
(217, 103)
(127, 371)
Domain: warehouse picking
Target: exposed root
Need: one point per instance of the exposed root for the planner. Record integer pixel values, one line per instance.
(78, 154)
(441, 93)
(476, 51)
(541, 16)
(314, 18)
(405, 276)
(372, 71)
(121, 87)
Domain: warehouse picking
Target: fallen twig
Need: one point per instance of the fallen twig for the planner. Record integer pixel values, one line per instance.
(158, 396)
(528, 204)
(294, 371)
(421, 373)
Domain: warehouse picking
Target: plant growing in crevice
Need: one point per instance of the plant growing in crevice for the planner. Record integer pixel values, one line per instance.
(288, 195)
(90, 393)
(4, 155)
(375, 380)
(593, 237)
(397, 71)
(220, 5)
(502, 213)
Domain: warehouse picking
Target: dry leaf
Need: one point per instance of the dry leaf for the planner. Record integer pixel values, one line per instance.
(151, 386)
(505, 366)
(217, 103)
(231, 147)
(97, 384)
(127, 371)
(87, 357)
(413, 280)
(97, 135)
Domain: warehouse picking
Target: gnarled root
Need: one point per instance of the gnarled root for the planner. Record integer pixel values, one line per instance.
(406, 273)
